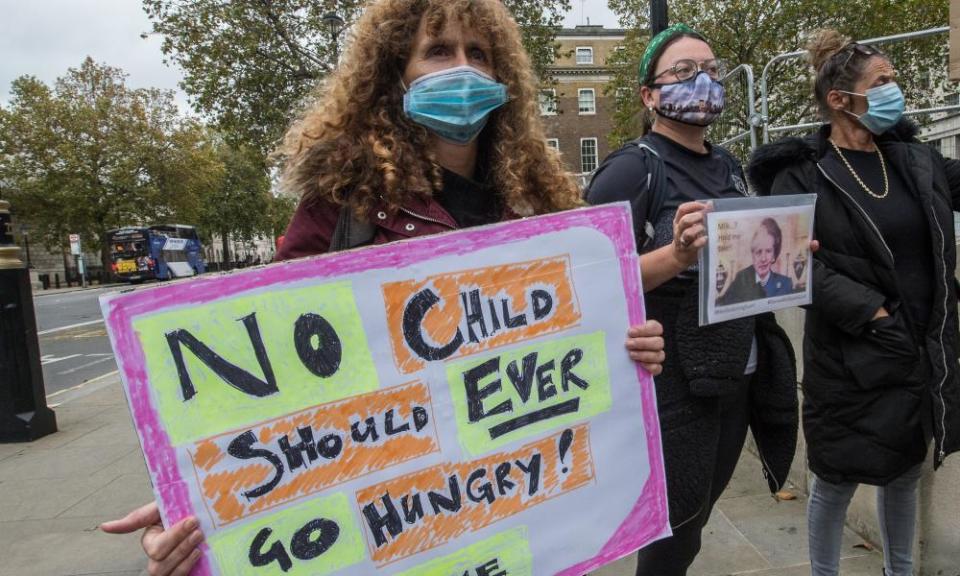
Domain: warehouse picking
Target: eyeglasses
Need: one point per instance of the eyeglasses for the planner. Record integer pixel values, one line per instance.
(853, 49)
(687, 69)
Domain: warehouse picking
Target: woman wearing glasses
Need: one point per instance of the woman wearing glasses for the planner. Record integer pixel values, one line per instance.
(880, 345)
(719, 379)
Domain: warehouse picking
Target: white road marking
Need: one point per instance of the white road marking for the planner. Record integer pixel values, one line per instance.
(54, 359)
(79, 386)
(72, 326)
(87, 365)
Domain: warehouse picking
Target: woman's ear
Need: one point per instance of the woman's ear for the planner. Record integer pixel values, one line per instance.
(647, 97)
(838, 101)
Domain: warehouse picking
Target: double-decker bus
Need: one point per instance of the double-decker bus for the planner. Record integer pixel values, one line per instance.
(162, 252)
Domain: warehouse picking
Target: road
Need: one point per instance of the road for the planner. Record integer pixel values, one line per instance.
(73, 340)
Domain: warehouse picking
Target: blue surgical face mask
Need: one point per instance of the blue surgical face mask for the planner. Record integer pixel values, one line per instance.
(697, 101)
(884, 107)
(454, 103)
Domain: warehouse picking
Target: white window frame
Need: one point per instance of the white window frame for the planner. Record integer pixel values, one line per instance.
(596, 155)
(552, 110)
(576, 55)
(580, 109)
(553, 143)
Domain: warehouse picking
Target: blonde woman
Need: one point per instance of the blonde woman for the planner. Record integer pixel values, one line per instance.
(430, 124)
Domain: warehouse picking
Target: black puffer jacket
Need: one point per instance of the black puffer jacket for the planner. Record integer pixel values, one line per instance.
(870, 388)
(702, 364)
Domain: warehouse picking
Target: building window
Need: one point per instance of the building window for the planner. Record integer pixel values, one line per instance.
(548, 102)
(588, 155)
(623, 95)
(588, 101)
(584, 55)
(553, 143)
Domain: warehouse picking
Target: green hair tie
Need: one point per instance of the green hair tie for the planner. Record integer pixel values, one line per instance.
(659, 40)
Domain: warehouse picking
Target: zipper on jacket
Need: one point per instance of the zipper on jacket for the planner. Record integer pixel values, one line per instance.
(422, 217)
(943, 355)
(943, 421)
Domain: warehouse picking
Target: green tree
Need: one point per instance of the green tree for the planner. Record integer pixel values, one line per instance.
(239, 206)
(91, 154)
(282, 208)
(248, 64)
(754, 31)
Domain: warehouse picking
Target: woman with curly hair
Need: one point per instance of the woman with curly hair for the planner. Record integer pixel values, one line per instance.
(384, 140)
(430, 124)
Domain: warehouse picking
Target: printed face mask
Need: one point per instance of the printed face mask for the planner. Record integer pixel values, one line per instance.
(697, 101)
(454, 103)
(884, 107)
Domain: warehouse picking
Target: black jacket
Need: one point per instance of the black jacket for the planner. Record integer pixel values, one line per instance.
(873, 393)
(702, 364)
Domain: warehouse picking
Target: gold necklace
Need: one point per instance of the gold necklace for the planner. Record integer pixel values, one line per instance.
(883, 167)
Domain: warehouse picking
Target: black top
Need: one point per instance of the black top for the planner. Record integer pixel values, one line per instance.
(690, 176)
(469, 202)
(902, 224)
(694, 175)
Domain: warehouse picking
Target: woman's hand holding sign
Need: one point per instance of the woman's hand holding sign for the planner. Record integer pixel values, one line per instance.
(171, 552)
(645, 346)
(689, 232)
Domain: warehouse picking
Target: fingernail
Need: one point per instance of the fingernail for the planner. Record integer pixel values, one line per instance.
(191, 523)
(196, 537)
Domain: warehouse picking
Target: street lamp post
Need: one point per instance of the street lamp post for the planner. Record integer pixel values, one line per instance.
(335, 24)
(24, 415)
(658, 17)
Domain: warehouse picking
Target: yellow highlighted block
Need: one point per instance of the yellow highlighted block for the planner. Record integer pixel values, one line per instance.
(521, 393)
(506, 554)
(224, 327)
(318, 537)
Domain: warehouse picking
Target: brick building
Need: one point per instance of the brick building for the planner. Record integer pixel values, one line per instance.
(576, 113)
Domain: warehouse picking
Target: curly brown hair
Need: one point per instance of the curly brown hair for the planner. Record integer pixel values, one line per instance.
(355, 145)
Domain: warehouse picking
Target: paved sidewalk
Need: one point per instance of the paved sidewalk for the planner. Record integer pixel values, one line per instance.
(54, 493)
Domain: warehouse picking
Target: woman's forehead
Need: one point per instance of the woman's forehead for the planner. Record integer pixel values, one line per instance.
(878, 66)
(446, 25)
(684, 49)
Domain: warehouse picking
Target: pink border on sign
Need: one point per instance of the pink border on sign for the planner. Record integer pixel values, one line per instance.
(646, 521)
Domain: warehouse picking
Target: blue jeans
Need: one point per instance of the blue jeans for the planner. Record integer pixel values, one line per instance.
(896, 511)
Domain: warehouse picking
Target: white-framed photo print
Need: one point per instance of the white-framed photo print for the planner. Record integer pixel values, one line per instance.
(757, 257)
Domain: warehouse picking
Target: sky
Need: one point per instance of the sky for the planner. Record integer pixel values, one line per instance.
(45, 37)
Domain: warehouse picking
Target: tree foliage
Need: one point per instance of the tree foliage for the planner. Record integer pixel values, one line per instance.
(249, 64)
(240, 206)
(754, 31)
(90, 154)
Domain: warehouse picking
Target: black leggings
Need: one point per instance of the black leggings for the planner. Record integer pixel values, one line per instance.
(672, 556)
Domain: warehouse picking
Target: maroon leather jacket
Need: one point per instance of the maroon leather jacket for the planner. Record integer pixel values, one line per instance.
(312, 225)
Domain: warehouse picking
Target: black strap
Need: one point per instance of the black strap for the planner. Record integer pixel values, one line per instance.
(656, 189)
(350, 232)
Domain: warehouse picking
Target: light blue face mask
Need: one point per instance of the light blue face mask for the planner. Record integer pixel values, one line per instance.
(454, 103)
(884, 107)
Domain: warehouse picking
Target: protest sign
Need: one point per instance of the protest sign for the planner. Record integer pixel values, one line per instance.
(757, 257)
(456, 404)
